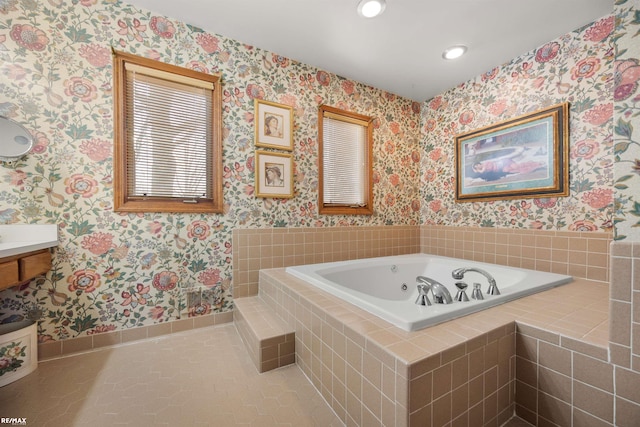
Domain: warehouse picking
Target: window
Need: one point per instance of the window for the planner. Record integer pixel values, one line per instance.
(345, 151)
(168, 149)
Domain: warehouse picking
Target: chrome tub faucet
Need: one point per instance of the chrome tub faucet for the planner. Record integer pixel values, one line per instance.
(440, 293)
(458, 274)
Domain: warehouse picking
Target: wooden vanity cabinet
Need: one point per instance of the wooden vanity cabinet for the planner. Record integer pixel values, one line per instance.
(8, 273)
(20, 268)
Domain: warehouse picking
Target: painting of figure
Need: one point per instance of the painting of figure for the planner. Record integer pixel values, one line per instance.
(523, 157)
(273, 175)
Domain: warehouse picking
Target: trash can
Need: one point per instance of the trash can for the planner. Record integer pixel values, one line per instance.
(18, 350)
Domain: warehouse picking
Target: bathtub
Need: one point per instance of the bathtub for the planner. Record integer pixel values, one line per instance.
(386, 286)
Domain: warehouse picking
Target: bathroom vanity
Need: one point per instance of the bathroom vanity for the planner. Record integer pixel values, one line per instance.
(25, 252)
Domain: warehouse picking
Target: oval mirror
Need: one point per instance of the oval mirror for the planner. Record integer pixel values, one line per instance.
(15, 140)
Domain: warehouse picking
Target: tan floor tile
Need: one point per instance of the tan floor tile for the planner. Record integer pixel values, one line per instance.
(201, 377)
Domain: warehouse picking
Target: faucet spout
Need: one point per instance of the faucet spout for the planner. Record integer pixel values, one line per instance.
(459, 273)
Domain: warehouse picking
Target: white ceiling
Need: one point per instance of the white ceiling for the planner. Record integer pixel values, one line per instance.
(400, 51)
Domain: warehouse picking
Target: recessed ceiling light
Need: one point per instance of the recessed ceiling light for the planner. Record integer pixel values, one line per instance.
(454, 52)
(371, 8)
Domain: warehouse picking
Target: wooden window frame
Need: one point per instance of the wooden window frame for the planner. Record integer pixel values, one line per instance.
(348, 117)
(122, 201)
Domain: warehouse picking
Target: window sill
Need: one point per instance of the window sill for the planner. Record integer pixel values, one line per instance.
(168, 206)
(345, 210)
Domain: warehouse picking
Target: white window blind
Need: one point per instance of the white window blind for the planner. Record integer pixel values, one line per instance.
(344, 162)
(169, 135)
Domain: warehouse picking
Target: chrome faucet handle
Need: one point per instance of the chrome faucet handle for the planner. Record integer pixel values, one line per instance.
(461, 296)
(477, 292)
(423, 298)
(493, 289)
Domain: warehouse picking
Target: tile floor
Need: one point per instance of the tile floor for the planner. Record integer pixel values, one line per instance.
(202, 377)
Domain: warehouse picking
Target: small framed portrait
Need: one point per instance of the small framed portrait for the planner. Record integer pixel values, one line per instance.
(274, 125)
(274, 175)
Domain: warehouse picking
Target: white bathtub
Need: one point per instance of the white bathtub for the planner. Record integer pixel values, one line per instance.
(386, 286)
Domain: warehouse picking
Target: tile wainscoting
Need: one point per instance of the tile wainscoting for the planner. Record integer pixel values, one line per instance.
(257, 249)
(583, 255)
(579, 254)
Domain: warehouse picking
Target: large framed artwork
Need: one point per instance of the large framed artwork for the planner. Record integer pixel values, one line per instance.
(524, 157)
(274, 125)
(274, 174)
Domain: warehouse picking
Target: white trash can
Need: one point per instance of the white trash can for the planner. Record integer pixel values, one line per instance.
(18, 350)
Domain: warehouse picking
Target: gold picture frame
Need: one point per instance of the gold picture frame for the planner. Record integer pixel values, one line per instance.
(274, 125)
(274, 174)
(525, 157)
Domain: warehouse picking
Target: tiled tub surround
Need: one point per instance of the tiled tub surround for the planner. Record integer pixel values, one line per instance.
(578, 254)
(461, 372)
(256, 249)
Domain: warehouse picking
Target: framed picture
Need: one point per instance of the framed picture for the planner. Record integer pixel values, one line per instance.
(274, 125)
(524, 157)
(274, 174)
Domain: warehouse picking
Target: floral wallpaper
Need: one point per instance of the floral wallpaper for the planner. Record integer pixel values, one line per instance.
(626, 97)
(578, 68)
(116, 271)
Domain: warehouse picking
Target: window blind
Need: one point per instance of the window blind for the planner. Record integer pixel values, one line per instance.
(169, 134)
(344, 162)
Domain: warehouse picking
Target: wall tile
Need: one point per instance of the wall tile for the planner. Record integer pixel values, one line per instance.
(554, 357)
(628, 384)
(459, 372)
(555, 384)
(627, 413)
(442, 381)
(460, 400)
(442, 411)
(284, 239)
(620, 355)
(621, 282)
(584, 419)
(554, 410)
(620, 323)
(593, 372)
(526, 402)
(527, 347)
(593, 401)
(580, 260)
(597, 350)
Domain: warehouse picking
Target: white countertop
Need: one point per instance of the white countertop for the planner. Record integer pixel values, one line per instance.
(16, 239)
